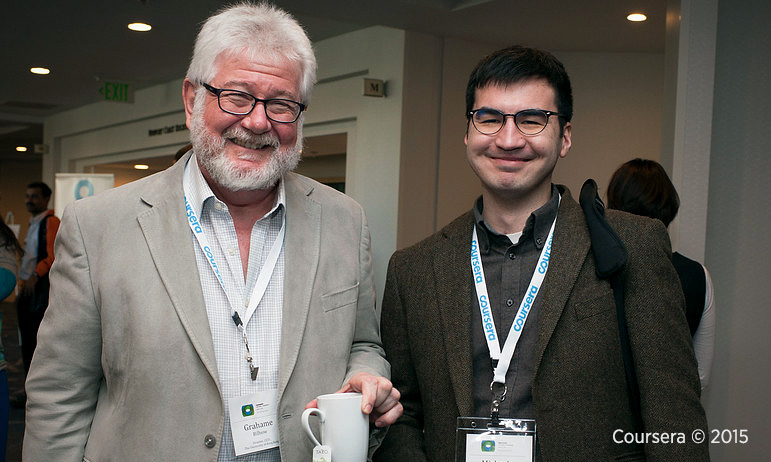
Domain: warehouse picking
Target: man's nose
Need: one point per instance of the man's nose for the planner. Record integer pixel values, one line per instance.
(509, 137)
(257, 121)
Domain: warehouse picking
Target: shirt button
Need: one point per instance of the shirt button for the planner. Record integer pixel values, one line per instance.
(209, 441)
(231, 251)
(218, 206)
(512, 256)
(539, 241)
(509, 302)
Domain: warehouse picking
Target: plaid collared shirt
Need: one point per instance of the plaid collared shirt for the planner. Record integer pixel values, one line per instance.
(263, 330)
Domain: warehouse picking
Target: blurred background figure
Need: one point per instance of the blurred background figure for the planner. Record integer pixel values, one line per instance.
(642, 187)
(38, 257)
(10, 253)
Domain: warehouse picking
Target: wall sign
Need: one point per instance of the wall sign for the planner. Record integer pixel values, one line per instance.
(119, 92)
(167, 129)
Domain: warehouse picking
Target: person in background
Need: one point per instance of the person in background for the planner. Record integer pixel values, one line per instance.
(38, 257)
(643, 187)
(196, 312)
(10, 252)
(502, 313)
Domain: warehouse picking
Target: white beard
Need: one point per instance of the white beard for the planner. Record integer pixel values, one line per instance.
(210, 151)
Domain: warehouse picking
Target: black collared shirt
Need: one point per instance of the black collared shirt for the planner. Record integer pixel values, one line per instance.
(508, 269)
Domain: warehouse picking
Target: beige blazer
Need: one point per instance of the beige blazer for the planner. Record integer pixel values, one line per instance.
(125, 367)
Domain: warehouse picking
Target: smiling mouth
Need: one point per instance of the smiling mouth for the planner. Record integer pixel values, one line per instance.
(510, 159)
(251, 145)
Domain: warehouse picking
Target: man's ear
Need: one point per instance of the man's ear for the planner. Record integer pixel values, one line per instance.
(567, 141)
(188, 97)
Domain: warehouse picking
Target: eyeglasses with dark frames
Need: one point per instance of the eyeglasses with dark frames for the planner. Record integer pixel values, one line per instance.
(241, 103)
(528, 121)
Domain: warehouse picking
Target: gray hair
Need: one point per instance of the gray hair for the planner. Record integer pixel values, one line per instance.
(265, 32)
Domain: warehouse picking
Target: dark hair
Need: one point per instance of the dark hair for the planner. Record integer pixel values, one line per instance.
(44, 189)
(8, 239)
(517, 63)
(642, 187)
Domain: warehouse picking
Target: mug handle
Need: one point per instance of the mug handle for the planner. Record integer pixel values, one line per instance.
(306, 425)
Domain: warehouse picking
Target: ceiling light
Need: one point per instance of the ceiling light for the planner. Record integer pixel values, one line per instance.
(636, 17)
(140, 26)
(21, 148)
(39, 70)
(141, 166)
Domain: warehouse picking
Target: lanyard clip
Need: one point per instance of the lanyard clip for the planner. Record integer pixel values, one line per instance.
(499, 391)
(494, 415)
(499, 394)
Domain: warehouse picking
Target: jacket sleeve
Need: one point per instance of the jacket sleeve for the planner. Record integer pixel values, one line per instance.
(52, 227)
(65, 374)
(404, 440)
(367, 353)
(661, 347)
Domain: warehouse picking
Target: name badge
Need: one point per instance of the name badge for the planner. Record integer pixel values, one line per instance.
(477, 440)
(253, 422)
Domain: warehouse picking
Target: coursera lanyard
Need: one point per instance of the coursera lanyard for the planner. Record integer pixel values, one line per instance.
(501, 359)
(259, 287)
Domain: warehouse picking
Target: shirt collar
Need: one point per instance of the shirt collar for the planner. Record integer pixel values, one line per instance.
(39, 217)
(198, 192)
(537, 226)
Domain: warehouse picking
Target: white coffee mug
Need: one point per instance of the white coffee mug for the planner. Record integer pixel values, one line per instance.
(344, 428)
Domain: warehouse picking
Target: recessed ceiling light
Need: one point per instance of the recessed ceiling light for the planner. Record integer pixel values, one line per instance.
(141, 166)
(21, 148)
(140, 26)
(39, 70)
(636, 17)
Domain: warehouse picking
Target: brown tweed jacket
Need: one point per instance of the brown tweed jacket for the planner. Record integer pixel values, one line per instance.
(579, 390)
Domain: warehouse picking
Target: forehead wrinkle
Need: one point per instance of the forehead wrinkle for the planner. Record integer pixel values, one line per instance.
(246, 86)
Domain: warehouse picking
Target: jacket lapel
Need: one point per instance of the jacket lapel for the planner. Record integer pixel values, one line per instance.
(303, 225)
(570, 246)
(452, 268)
(164, 224)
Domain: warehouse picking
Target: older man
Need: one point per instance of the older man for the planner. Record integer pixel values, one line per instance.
(224, 281)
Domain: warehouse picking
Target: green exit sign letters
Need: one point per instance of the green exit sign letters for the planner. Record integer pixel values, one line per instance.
(120, 92)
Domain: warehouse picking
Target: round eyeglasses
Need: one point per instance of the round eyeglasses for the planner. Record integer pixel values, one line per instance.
(239, 102)
(528, 121)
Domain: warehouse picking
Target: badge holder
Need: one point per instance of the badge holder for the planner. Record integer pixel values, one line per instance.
(478, 439)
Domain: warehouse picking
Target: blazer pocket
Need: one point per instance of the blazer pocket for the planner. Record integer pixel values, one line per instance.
(594, 306)
(340, 298)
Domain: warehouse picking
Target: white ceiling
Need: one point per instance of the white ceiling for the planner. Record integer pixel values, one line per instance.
(87, 42)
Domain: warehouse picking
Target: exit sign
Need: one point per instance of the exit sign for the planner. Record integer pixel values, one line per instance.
(121, 92)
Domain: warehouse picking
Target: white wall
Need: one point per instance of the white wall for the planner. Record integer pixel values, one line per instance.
(109, 132)
(690, 84)
(373, 125)
(616, 114)
(738, 253)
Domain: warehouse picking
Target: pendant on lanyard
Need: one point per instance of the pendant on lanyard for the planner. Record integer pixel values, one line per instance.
(252, 369)
(499, 395)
